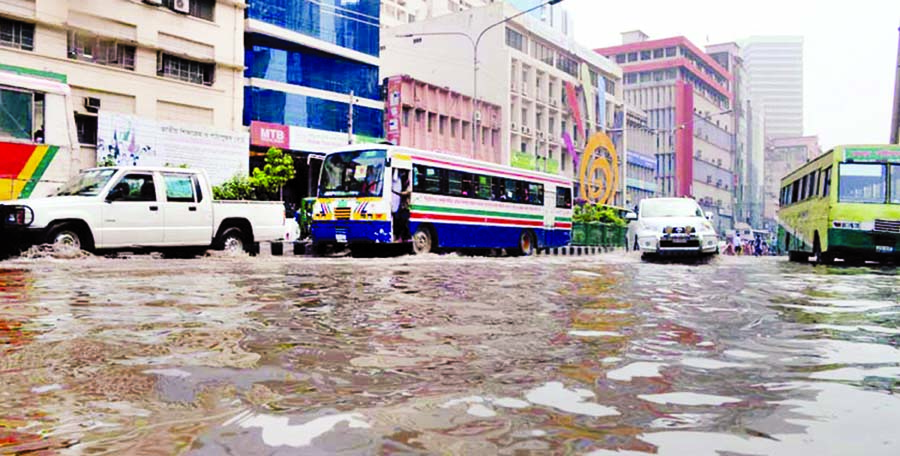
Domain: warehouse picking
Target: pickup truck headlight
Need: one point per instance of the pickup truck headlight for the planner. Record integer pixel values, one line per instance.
(16, 215)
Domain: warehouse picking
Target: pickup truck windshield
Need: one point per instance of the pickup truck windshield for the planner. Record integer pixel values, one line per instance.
(357, 173)
(88, 183)
(670, 208)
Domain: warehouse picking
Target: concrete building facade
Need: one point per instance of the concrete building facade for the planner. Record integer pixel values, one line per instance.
(312, 79)
(554, 93)
(426, 116)
(398, 12)
(175, 62)
(775, 67)
(688, 99)
(895, 118)
(640, 175)
(783, 155)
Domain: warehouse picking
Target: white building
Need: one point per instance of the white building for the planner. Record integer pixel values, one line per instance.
(159, 62)
(397, 12)
(775, 67)
(525, 67)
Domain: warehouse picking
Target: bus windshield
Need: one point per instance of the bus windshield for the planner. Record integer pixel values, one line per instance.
(863, 183)
(353, 174)
(88, 183)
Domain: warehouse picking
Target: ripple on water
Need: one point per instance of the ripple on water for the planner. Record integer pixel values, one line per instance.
(277, 430)
(638, 369)
(680, 398)
(555, 395)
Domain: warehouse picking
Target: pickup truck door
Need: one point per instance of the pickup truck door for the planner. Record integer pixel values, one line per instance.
(131, 215)
(188, 212)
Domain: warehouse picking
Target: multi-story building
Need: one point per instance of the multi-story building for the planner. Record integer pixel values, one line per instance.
(553, 92)
(775, 67)
(397, 12)
(783, 155)
(747, 204)
(895, 119)
(757, 160)
(688, 100)
(311, 79)
(640, 174)
(426, 116)
(135, 64)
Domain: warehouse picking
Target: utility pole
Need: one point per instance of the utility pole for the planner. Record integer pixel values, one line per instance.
(624, 155)
(350, 118)
(895, 123)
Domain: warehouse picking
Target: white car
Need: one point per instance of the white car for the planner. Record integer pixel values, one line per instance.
(672, 226)
(125, 207)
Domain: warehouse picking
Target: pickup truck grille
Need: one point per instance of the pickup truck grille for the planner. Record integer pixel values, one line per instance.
(342, 213)
(887, 226)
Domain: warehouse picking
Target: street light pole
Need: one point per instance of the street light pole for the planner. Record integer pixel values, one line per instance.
(475, 42)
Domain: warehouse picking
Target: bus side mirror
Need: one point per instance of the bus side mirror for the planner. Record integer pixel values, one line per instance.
(630, 216)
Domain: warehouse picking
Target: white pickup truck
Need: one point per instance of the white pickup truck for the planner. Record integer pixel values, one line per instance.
(142, 207)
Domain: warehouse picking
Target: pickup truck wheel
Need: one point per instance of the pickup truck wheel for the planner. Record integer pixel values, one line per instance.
(64, 236)
(232, 240)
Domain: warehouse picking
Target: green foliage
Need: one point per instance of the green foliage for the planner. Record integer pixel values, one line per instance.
(262, 183)
(597, 213)
(106, 161)
(171, 165)
(277, 171)
(237, 188)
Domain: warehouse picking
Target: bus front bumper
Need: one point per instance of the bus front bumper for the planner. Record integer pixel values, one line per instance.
(351, 232)
(863, 244)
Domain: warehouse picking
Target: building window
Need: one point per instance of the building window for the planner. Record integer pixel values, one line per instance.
(620, 58)
(87, 129)
(568, 65)
(442, 125)
(454, 125)
(658, 53)
(186, 70)
(543, 53)
(204, 9)
(15, 34)
(406, 117)
(595, 78)
(646, 55)
(631, 78)
(91, 48)
(632, 56)
(670, 51)
(515, 39)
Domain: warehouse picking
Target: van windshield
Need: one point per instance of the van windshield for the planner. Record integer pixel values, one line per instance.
(356, 174)
(87, 183)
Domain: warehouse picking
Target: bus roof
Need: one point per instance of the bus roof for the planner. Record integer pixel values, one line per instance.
(864, 149)
(33, 83)
(457, 160)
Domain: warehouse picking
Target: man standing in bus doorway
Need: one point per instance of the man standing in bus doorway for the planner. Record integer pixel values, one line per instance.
(400, 194)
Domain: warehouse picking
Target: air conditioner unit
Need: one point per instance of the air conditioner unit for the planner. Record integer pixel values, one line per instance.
(182, 6)
(553, 102)
(477, 116)
(513, 86)
(91, 104)
(153, 2)
(513, 126)
(541, 134)
(526, 130)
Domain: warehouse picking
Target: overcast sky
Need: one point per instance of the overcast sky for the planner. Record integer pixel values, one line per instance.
(850, 49)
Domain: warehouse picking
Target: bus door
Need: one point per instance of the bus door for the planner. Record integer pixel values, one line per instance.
(549, 214)
(399, 167)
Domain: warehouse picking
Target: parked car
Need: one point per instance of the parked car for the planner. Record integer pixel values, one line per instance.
(671, 226)
(139, 207)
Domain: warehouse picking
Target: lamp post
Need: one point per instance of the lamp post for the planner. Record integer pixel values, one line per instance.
(475, 42)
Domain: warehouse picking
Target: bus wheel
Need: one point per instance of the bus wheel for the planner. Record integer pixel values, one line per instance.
(423, 240)
(526, 244)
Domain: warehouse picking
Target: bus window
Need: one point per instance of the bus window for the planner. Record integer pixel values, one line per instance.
(509, 191)
(483, 190)
(895, 184)
(536, 194)
(815, 183)
(826, 185)
(862, 183)
(563, 198)
(795, 192)
(16, 114)
(427, 179)
(454, 183)
(468, 185)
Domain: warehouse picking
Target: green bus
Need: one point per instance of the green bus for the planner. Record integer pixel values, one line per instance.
(844, 204)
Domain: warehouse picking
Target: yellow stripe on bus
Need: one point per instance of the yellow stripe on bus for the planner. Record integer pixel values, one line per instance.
(28, 170)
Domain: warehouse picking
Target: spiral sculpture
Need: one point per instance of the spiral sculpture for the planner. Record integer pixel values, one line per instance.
(599, 155)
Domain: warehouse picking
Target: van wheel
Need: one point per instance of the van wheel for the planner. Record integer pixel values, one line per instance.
(526, 244)
(423, 240)
(67, 236)
(232, 240)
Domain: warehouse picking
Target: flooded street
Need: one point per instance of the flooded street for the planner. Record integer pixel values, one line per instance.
(422, 355)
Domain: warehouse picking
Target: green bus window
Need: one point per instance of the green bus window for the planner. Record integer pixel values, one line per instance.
(795, 191)
(895, 184)
(826, 185)
(862, 183)
(484, 187)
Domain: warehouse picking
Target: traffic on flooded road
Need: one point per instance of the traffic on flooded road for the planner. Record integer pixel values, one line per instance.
(427, 354)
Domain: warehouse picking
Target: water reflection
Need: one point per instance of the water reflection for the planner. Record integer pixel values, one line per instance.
(448, 355)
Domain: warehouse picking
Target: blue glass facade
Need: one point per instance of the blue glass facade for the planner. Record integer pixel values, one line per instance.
(350, 24)
(291, 109)
(298, 65)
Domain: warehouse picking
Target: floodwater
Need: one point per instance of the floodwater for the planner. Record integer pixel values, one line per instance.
(452, 355)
